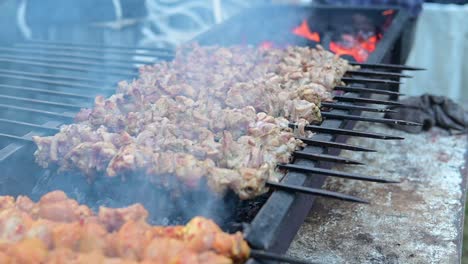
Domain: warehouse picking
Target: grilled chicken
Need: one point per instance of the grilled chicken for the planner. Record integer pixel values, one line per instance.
(72, 233)
(208, 113)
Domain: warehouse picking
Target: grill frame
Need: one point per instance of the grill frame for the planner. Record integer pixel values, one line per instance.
(279, 219)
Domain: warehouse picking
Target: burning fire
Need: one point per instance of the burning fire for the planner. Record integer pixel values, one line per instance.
(357, 47)
(304, 31)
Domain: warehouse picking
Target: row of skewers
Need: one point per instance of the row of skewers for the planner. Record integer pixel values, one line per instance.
(225, 115)
(321, 94)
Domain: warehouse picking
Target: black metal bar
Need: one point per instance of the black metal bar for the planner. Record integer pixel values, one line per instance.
(260, 254)
(333, 173)
(39, 112)
(378, 73)
(369, 119)
(329, 144)
(16, 138)
(324, 157)
(357, 107)
(15, 98)
(43, 91)
(365, 90)
(68, 67)
(97, 50)
(26, 124)
(47, 75)
(59, 83)
(387, 66)
(92, 45)
(364, 100)
(26, 50)
(368, 80)
(71, 61)
(340, 131)
(313, 191)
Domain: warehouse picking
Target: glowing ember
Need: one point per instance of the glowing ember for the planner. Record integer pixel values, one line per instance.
(358, 48)
(266, 45)
(304, 31)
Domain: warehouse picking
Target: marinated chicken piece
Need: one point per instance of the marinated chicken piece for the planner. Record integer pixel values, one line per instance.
(115, 236)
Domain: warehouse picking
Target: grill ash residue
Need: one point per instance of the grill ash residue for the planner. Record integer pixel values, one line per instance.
(167, 206)
(415, 221)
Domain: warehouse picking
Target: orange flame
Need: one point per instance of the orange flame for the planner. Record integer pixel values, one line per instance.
(304, 31)
(388, 12)
(359, 49)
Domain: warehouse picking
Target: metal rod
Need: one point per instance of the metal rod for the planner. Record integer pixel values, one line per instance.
(43, 91)
(368, 80)
(260, 254)
(365, 90)
(42, 112)
(339, 174)
(387, 66)
(16, 138)
(357, 107)
(324, 157)
(47, 75)
(328, 144)
(365, 100)
(369, 119)
(340, 131)
(92, 45)
(313, 191)
(378, 73)
(97, 50)
(58, 83)
(72, 61)
(68, 67)
(35, 101)
(19, 123)
(76, 56)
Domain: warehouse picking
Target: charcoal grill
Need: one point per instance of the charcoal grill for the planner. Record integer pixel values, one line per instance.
(44, 83)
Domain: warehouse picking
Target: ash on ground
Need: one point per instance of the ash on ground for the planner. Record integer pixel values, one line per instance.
(416, 221)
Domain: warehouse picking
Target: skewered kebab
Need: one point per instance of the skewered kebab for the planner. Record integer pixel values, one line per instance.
(110, 136)
(58, 230)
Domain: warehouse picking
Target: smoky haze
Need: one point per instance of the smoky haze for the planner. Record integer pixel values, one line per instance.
(64, 21)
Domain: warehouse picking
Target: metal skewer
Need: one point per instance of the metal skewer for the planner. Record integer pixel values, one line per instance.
(67, 116)
(340, 131)
(313, 191)
(16, 138)
(364, 100)
(357, 107)
(365, 90)
(369, 119)
(260, 254)
(295, 167)
(387, 66)
(329, 144)
(368, 80)
(324, 157)
(44, 91)
(378, 73)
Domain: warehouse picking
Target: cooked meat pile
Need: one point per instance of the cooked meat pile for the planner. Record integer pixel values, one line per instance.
(220, 114)
(59, 230)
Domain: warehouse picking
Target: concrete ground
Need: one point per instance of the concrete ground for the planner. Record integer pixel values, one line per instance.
(416, 221)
